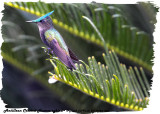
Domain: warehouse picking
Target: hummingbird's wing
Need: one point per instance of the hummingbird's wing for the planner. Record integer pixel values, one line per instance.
(57, 44)
(54, 34)
(61, 54)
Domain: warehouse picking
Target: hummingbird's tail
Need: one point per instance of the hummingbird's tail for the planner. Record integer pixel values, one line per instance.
(72, 64)
(73, 56)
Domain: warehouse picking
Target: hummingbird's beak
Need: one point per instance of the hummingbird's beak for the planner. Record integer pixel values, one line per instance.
(31, 21)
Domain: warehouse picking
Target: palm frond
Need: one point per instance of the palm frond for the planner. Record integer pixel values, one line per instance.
(112, 82)
(126, 40)
(101, 81)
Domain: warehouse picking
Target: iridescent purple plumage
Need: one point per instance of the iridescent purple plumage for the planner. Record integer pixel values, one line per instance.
(52, 38)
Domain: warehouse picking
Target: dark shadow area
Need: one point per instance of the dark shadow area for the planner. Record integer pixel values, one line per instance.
(21, 91)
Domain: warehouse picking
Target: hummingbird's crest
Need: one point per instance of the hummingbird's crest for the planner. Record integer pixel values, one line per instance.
(41, 18)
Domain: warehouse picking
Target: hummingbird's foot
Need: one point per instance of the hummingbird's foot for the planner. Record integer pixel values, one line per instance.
(48, 51)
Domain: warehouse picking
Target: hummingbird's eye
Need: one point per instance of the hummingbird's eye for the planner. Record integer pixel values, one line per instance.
(40, 21)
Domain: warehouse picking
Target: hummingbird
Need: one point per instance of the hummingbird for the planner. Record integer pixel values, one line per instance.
(54, 41)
